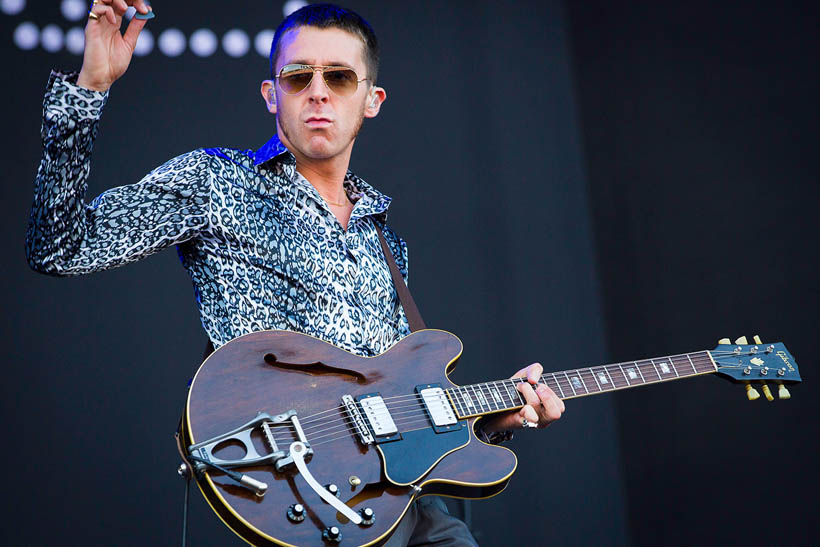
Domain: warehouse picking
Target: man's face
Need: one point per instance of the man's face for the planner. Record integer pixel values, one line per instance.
(317, 123)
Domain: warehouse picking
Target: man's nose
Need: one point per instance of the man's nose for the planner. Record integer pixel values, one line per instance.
(318, 90)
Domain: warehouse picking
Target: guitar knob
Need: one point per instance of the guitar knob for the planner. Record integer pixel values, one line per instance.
(296, 512)
(767, 392)
(756, 338)
(724, 342)
(741, 341)
(333, 489)
(783, 393)
(368, 516)
(752, 393)
(332, 534)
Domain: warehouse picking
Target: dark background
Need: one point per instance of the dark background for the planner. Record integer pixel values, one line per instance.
(578, 182)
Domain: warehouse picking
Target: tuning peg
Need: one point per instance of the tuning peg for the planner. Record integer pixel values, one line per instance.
(783, 393)
(757, 340)
(741, 341)
(725, 342)
(767, 392)
(752, 393)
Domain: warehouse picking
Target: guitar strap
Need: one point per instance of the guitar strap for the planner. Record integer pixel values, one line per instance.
(407, 302)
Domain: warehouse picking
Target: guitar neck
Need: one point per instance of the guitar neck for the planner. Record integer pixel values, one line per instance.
(500, 395)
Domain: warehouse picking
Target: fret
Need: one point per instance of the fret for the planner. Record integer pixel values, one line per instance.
(596, 379)
(546, 382)
(603, 378)
(694, 368)
(663, 365)
(521, 398)
(611, 381)
(672, 361)
(585, 381)
(479, 398)
(674, 368)
(580, 377)
(560, 389)
(499, 401)
(637, 366)
(453, 395)
(651, 362)
(611, 369)
(490, 397)
(570, 384)
(512, 401)
(628, 383)
(468, 400)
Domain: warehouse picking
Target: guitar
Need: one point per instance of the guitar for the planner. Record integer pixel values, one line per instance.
(296, 442)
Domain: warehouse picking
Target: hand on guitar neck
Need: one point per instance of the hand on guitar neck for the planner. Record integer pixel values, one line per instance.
(543, 405)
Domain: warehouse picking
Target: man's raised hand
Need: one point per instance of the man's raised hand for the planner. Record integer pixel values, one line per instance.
(107, 52)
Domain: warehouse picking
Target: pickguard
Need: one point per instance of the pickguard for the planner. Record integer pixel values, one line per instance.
(412, 457)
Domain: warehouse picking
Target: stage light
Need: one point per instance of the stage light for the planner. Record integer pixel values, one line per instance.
(74, 10)
(12, 7)
(263, 41)
(26, 35)
(203, 42)
(172, 42)
(236, 43)
(51, 38)
(75, 40)
(145, 43)
(292, 5)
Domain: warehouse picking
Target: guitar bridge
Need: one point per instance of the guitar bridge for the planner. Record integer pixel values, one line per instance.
(280, 458)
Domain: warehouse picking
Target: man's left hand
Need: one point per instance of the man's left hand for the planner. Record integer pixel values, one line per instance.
(541, 409)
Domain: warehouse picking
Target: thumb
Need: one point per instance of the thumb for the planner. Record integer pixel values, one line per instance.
(133, 32)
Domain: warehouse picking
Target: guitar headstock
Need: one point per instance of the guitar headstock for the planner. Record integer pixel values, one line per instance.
(757, 363)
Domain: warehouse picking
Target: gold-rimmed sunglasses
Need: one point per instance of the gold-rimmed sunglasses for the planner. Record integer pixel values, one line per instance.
(341, 80)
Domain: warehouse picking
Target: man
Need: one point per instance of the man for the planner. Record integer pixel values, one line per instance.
(281, 238)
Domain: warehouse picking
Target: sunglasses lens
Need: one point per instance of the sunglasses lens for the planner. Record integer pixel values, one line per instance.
(341, 80)
(295, 78)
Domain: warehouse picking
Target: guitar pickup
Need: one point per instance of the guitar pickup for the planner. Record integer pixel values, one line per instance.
(378, 417)
(438, 408)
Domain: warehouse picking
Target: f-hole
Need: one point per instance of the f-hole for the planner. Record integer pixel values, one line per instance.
(317, 369)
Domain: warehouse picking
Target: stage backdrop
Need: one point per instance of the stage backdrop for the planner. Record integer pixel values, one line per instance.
(577, 184)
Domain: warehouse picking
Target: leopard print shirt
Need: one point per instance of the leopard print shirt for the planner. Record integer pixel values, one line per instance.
(261, 246)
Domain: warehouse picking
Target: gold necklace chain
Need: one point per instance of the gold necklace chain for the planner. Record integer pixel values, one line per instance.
(336, 204)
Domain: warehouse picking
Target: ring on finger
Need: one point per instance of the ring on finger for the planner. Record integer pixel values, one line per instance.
(93, 16)
(525, 422)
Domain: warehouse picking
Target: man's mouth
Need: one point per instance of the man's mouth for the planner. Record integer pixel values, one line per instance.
(318, 121)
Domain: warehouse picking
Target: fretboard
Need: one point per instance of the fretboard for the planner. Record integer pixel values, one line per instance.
(500, 395)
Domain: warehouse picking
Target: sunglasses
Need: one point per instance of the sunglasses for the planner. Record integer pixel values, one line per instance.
(341, 80)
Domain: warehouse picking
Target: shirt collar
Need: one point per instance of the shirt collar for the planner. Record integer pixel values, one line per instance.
(269, 150)
(370, 201)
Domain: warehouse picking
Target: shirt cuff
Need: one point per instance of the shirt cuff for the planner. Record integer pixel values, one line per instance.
(64, 95)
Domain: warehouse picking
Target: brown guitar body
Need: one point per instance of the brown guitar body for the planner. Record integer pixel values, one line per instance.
(278, 371)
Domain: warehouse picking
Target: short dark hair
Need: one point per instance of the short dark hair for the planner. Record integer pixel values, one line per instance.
(330, 16)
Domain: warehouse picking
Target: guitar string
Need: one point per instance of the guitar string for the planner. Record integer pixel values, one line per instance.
(418, 414)
(643, 363)
(310, 419)
(416, 411)
(421, 417)
(489, 404)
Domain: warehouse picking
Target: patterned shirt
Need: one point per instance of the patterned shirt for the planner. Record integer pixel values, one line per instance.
(260, 244)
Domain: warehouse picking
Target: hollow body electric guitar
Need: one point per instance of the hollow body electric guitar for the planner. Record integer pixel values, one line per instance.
(296, 442)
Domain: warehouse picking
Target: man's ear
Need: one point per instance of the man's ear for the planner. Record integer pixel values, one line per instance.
(375, 99)
(269, 95)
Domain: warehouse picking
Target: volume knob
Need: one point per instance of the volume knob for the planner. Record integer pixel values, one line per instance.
(296, 512)
(332, 534)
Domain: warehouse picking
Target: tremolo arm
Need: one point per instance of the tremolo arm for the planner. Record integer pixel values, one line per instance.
(203, 453)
